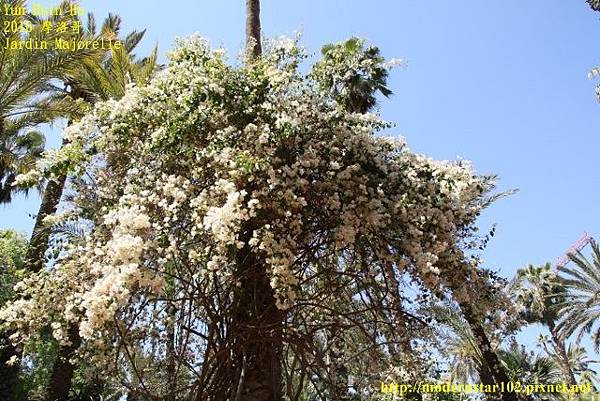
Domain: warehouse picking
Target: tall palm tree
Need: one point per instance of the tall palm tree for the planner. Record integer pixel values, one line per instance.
(24, 104)
(538, 290)
(580, 310)
(95, 79)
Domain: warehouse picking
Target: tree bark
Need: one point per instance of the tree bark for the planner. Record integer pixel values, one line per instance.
(258, 333)
(491, 369)
(62, 371)
(38, 245)
(253, 42)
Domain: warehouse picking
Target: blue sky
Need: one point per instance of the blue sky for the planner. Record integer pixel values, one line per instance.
(503, 84)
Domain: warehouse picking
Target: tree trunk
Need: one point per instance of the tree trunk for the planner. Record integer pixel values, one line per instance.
(34, 262)
(253, 42)
(257, 323)
(563, 358)
(62, 371)
(491, 369)
(38, 245)
(257, 331)
(8, 374)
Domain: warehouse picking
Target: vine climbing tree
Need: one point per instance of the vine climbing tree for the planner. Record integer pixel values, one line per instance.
(252, 236)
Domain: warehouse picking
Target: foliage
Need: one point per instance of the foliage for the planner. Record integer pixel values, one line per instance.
(539, 292)
(39, 357)
(12, 251)
(459, 344)
(580, 311)
(25, 98)
(18, 155)
(353, 74)
(25, 74)
(526, 367)
(107, 75)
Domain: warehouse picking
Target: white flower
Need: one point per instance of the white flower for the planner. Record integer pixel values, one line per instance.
(13, 360)
(126, 248)
(394, 62)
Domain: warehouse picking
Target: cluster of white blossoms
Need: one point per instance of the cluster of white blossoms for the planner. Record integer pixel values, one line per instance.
(210, 160)
(222, 221)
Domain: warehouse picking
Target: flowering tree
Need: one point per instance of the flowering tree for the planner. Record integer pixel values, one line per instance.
(249, 236)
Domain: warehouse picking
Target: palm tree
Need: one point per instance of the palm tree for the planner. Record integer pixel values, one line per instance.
(29, 96)
(467, 360)
(95, 79)
(106, 77)
(580, 310)
(352, 74)
(24, 76)
(24, 104)
(18, 154)
(492, 371)
(526, 367)
(537, 289)
(579, 359)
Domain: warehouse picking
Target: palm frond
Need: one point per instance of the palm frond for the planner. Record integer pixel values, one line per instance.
(581, 307)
